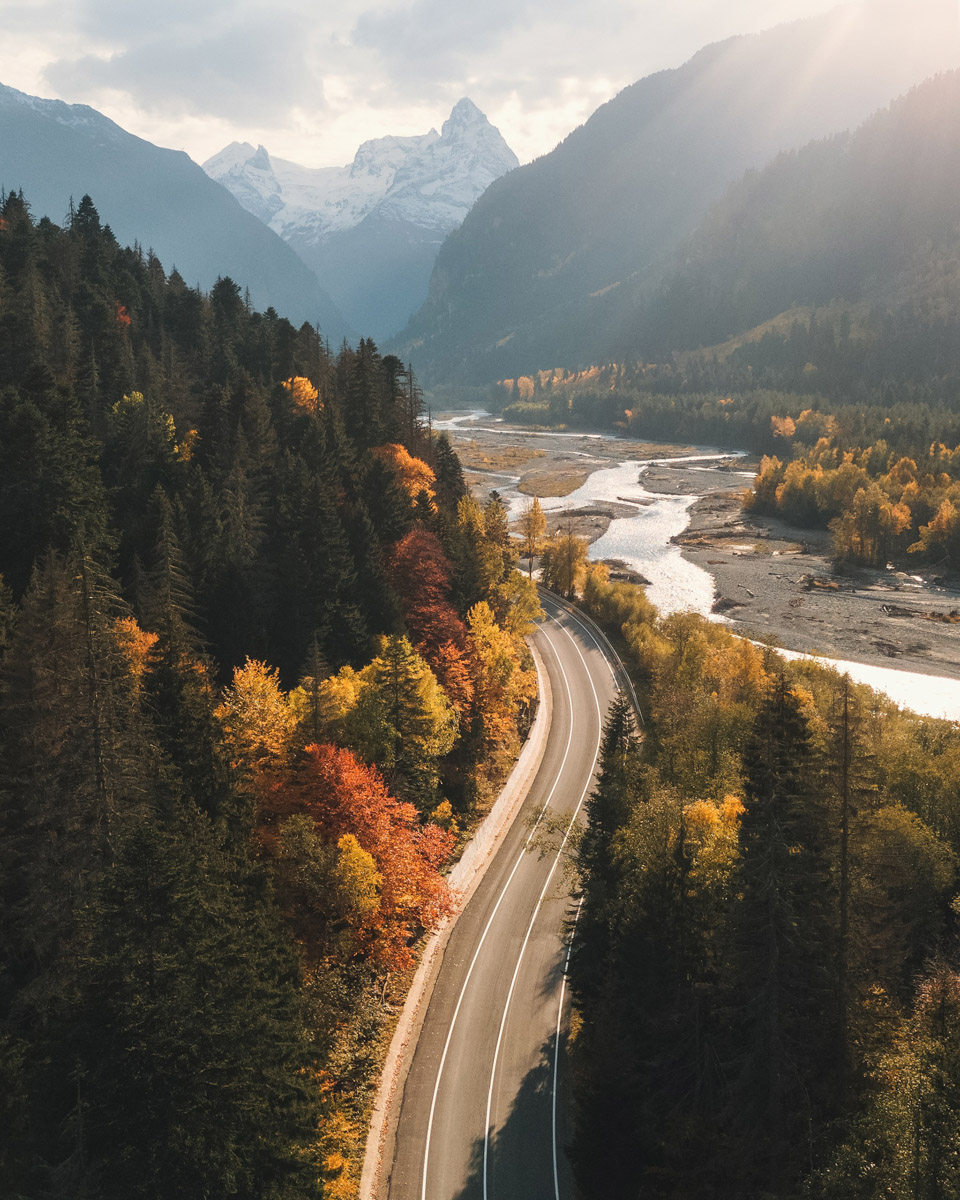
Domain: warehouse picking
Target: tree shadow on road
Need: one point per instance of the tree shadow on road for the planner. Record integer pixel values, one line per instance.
(520, 1153)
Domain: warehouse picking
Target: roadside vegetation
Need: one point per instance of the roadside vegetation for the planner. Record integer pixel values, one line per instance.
(765, 967)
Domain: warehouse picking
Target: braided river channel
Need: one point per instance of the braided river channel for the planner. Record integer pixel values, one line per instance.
(639, 536)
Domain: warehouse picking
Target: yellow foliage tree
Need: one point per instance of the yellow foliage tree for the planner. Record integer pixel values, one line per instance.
(942, 534)
(533, 527)
(502, 685)
(303, 394)
(356, 881)
(564, 564)
(256, 719)
(320, 716)
(783, 427)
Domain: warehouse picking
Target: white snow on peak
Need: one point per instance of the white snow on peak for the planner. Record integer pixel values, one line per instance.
(430, 180)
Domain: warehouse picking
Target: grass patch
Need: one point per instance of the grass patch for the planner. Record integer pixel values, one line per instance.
(544, 484)
(478, 457)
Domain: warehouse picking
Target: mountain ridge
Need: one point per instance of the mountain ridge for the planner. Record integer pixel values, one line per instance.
(56, 152)
(797, 235)
(544, 270)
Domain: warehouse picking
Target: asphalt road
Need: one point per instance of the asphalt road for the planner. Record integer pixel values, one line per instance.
(482, 1116)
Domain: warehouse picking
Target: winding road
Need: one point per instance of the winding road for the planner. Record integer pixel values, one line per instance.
(481, 1116)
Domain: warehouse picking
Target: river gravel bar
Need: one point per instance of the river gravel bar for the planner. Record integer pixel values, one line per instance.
(776, 582)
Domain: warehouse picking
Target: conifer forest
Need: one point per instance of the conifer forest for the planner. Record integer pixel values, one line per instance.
(299, 762)
(262, 658)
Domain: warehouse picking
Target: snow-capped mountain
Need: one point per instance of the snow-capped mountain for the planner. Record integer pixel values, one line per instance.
(372, 229)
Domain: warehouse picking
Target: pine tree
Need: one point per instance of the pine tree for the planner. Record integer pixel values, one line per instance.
(784, 981)
(80, 762)
(51, 491)
(315, 670)
(197, 1072)
(180, 679)
(403, 722)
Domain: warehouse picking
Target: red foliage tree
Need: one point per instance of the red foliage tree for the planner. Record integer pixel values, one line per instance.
(420, 574)
(345, 797)
(451, 664)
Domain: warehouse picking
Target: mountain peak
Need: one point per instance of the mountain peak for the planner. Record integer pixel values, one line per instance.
(260, 160)
(380, 218)
(465, 112)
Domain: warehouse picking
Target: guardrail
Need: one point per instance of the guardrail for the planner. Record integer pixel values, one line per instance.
(624, 682)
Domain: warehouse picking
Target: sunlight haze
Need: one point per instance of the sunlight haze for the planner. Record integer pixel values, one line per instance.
(311, 83)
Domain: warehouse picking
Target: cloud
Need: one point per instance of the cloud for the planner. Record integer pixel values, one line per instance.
(311, 80)
(447, 38)
(253, 72)
(435, 30)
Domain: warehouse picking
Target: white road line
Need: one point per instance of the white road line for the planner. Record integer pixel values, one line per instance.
(536, 910)
(563, 982)
(483, 938)
(593, 637)
(556, 1051)
(603, 647)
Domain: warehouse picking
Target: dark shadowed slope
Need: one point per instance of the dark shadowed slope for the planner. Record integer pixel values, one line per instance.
(160, 198)
(543, 271)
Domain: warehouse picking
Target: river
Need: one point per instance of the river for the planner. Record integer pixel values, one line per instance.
(642, 540)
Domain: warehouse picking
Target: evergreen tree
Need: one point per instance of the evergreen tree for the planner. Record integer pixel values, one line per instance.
(784, 981)
(196, 1070)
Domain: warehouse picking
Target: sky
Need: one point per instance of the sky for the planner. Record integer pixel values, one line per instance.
(312, 79)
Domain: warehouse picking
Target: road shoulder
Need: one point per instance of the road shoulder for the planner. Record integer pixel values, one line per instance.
(464, 879)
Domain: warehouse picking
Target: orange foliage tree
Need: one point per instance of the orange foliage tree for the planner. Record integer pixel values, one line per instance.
(303, 394)
(413, 474)
(343, 797)
(136, 645)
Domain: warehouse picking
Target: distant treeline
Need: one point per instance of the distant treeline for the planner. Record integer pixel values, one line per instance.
(695, 399)
(879, 471)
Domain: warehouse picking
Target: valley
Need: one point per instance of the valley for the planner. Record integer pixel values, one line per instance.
(688, 537)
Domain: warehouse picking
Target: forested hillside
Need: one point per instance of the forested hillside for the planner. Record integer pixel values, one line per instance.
(828, 281)
(552, 266)
(260, 659)
(159, 198)
(765, 963)
(867, 219)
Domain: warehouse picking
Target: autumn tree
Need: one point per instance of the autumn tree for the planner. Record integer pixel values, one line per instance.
(402, 721)
(504, 685)
(564, 564)
(867, 532)
(257, 721)
(331, 890)
(414, 475)
(303, 395)
(343, 797)
(533, 528)
(420, 574)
